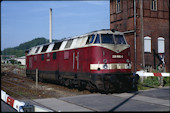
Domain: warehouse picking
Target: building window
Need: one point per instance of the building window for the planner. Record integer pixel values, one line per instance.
(117, 6)
(154, 5)
(161, 45)
(147, 44)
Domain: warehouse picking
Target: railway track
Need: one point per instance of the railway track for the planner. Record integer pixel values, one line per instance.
(14, 83)
(26, 87)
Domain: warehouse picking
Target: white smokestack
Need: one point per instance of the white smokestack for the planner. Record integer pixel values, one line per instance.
(50, 36)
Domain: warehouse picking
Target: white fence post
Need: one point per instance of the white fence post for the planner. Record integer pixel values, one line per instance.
(36, 78)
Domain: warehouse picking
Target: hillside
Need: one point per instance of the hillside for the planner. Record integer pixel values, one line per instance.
(20, 50)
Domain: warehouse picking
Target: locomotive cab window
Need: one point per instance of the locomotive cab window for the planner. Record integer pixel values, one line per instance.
(119, 39)
(107, 38)
(90, 39)
(97, 40)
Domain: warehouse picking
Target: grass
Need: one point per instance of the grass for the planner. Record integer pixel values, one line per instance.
(152, 82)
(21, 66)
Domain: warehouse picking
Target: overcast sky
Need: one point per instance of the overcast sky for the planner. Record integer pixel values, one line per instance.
(23, 21)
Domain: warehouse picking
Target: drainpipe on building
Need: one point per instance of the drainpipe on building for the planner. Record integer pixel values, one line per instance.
(142, 39)
(134, 35)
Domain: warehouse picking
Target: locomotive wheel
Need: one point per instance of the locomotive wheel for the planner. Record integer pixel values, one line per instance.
(82, 86)
(28, 75)
(71, 85)
(66, 82)
(33, 77)
(106, 87)
(92, 88)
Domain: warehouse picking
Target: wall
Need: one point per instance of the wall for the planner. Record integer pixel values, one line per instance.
(155, 24)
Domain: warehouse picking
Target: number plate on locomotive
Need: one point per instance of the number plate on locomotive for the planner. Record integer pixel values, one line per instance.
(117, 56)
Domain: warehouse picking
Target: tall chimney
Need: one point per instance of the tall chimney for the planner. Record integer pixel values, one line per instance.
(50, 35)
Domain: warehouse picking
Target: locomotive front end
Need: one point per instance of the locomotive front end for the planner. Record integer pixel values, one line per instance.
(111, 64)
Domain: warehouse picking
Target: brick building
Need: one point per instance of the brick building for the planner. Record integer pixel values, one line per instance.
(146, 27)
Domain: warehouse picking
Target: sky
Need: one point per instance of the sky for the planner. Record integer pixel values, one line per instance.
(22, 21)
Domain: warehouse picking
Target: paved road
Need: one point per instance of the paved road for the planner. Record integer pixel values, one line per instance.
(6, 108)
(156, 99)
(163, 93)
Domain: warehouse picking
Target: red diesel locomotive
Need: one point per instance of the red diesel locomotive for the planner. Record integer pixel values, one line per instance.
(96, 60)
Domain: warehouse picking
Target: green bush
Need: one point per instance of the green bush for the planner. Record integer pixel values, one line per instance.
(141, 86)
(167, 81)
(151, 81)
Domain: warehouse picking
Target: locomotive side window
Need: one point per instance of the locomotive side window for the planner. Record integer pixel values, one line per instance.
(119, 39)
(90, 39)
(44, 48)
(57, 46)
(107, 38)
(69, 43)
(42, 57)
(54, 55)
(97, 41)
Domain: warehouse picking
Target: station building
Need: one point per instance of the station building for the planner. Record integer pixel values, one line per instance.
(146, 27)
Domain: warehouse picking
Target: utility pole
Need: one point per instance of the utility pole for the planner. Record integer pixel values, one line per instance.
(134, 35)
(50, 34)
(142, 37)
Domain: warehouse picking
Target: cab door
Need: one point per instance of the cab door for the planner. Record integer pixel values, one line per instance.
(75, 61)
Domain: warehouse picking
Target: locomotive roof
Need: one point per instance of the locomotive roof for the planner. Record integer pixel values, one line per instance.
(78, 36)
(90, 33)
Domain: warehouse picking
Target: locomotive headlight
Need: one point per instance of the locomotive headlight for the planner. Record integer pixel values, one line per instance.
(105, 61)
(128, 65)
(105, 66)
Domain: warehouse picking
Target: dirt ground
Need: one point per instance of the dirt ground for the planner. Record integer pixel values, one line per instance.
(16, 84)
